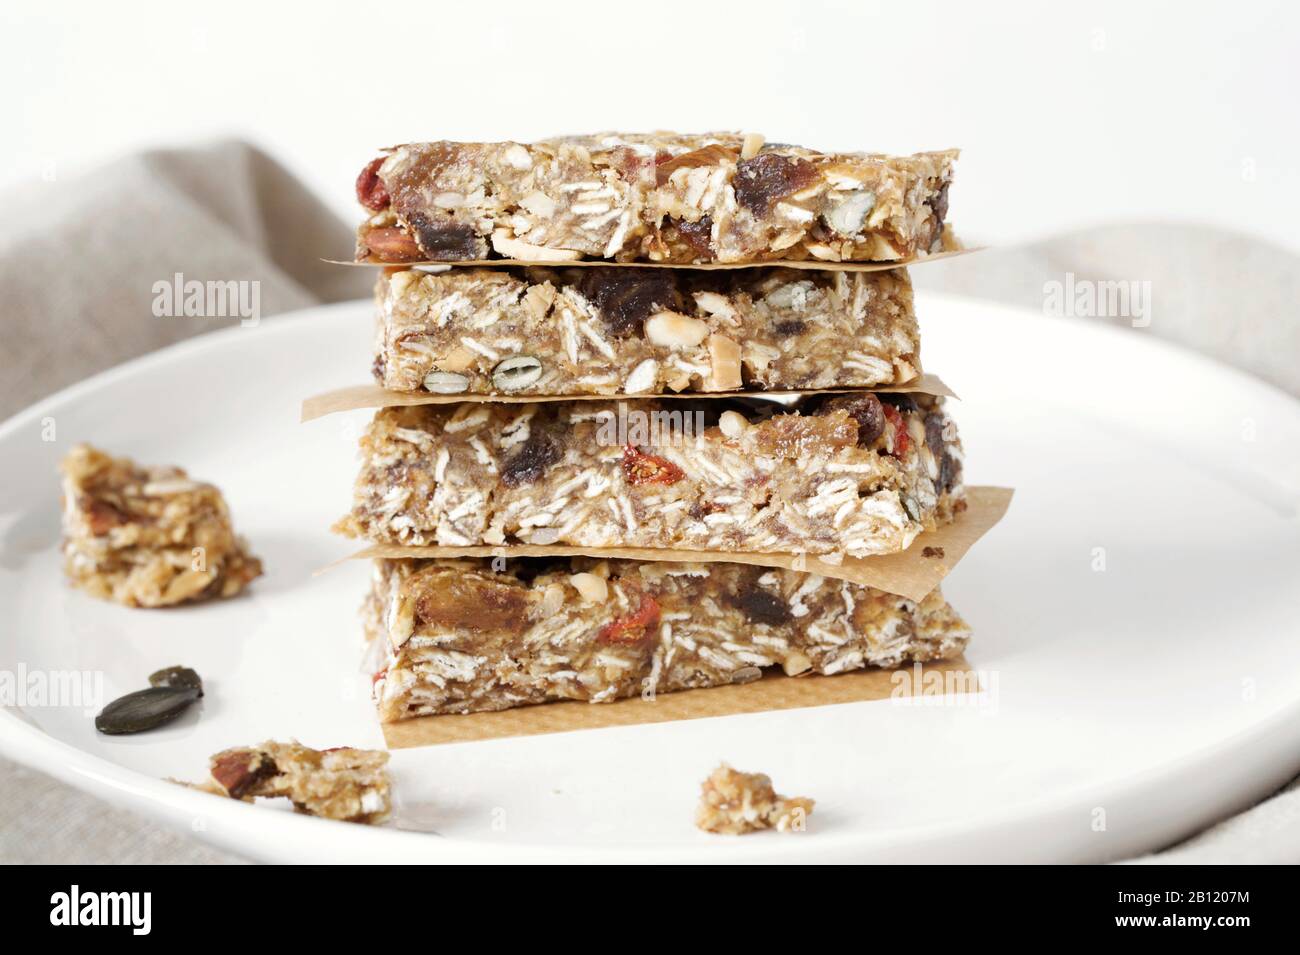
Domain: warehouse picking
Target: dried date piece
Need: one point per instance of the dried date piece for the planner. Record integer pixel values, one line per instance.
(768, 177)
(948, 467)
(625, 298)
(444, 240)
(531, 461)
(866, 410)
(474, 603)
(762, 606)
(697, 236)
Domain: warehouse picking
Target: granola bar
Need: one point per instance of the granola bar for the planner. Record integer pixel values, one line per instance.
(636, 331)
(855, 474)
(658, 197)
(342, 783)
(148, 536)
(734, 803)
(461, 638)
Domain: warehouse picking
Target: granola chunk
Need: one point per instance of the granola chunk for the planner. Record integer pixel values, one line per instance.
(347, 784)
(734, 803)
(148, 536)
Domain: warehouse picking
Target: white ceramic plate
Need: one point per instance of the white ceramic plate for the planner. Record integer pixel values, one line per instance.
(1127, 706)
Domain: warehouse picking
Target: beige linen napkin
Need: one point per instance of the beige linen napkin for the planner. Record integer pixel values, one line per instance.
(78, 260)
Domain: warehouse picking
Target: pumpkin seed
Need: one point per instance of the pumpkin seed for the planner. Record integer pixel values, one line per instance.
(145, 709)
(445, 383)
(177, 676)
(516, 372)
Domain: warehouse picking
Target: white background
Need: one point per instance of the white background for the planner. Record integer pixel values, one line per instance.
(1069, 115)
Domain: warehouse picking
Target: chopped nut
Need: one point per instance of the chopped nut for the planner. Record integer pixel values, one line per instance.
(643, 377)
(724, 357)
(795, 663)
(445, 383)
(712, 303)
(457, 360)
(515, 249)
(753, 142)
(848, 215)
(539, 204)
(593, 589)
(733, 423)
(674, 330)
(517, 157)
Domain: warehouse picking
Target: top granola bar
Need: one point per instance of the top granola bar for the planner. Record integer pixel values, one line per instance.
(658, 197)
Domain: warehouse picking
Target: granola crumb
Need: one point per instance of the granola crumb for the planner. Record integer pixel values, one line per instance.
(932, 552)
(734, 803)
(148, 536)
(342, 783)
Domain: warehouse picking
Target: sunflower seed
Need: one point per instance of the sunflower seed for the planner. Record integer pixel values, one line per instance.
(177, 676)
(145, 709)
(445, 383)
(516, 372)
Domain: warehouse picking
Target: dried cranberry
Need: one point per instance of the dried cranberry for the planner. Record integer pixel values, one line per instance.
(371, 191)
(625, 298)
(531, 461)
(642, 468)
(767, 177)
(902, 439)
(634, 627)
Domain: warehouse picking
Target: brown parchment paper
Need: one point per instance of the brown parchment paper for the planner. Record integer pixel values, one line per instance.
(913, 573)
(352, 397)
(773, 692)
(815, 265)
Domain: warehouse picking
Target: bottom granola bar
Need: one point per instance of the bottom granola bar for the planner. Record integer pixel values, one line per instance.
(462, 638)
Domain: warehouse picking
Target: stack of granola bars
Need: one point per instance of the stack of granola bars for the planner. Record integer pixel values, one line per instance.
(695, 346)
